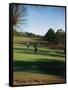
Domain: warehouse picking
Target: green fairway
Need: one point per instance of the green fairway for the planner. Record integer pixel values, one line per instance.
(22, 53)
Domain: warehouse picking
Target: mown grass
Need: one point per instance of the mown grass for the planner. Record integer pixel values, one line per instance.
(24, 53)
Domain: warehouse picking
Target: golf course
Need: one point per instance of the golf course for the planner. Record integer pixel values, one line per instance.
(46, 66)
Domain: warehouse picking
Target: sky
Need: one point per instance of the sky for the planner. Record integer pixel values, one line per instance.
(40, 18)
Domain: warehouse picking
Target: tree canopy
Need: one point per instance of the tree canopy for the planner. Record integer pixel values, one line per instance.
(50, 36)
(18, 16)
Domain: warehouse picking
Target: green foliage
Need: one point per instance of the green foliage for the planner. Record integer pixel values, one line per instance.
(50, 36)
(55, 39)
(60, 36)
(26, 34)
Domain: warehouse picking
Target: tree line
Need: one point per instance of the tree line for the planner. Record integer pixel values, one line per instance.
(26, 34)
(53, 38)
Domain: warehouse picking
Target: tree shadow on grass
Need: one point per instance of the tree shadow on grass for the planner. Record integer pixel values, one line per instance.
(39, 52)
(46, 66)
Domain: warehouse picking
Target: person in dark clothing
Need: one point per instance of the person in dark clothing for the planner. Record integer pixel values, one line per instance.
(35, 49)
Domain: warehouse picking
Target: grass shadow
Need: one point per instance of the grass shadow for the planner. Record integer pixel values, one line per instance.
(52, 67)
